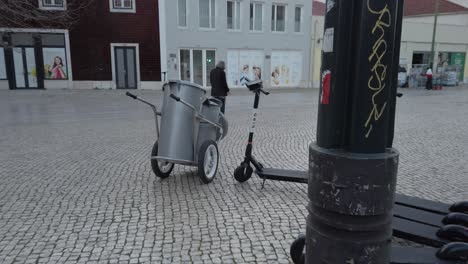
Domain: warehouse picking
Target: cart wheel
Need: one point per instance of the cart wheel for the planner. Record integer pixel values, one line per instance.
(243, 172)
(162, 169)
(208, 159)
(297, 250)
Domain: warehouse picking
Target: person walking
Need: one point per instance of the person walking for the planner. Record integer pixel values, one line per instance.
(219, 87)
(429, 79)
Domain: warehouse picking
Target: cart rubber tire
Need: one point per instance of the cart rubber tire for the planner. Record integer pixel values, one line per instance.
(208, 161)
(297, 250)
(243, 172)
(155, 166)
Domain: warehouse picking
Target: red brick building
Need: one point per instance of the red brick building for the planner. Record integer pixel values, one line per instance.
(112, 44)
(116, 44)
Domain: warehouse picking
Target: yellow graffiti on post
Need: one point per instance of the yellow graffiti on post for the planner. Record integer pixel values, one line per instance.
(376, 82)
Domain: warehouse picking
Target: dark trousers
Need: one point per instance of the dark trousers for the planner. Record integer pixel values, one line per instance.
(223, 100)
(429, 84)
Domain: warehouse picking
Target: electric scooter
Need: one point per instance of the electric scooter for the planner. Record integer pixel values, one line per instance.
(244, 171)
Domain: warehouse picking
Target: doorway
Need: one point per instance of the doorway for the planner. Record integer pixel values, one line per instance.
(24, 60)
(125, 67)
(196, 65)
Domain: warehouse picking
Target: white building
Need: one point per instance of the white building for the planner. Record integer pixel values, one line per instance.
(257, 39)
(451, 43)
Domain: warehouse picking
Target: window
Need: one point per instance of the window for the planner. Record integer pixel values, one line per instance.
(278, 18)
(52, 4)
(123, 6)
(298, 19)
(207, 13)
(182, 12)
(256, 17)
(3, 75)
(55, 63)
(233, 15)
(196, 65)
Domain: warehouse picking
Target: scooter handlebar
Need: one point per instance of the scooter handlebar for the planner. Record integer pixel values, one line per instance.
(131, 95)
(175, 97)
(264, 92)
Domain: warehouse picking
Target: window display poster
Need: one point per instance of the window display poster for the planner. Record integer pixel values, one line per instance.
(244, 65)
(2, 65)
(458, 59)
(286, 68)
(55, 64)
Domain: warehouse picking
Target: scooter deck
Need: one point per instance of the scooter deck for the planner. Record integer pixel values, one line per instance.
(406, 255)
(283, 175)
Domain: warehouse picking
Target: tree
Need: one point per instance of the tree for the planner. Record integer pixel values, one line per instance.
(26, 14)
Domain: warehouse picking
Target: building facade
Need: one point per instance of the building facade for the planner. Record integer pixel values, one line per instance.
(266, 40)
(451, 42)
(113, 44)
(116, 45)
(35, 57)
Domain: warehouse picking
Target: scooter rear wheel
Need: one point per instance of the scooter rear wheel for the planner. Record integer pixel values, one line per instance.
(243, 172)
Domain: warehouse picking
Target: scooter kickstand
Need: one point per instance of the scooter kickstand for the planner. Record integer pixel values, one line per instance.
(263, 183)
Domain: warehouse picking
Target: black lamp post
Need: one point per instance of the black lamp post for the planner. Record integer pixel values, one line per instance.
(352, 167)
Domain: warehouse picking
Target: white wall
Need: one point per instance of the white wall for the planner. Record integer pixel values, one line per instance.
(222, 40)
(416, 36)
(443, 19)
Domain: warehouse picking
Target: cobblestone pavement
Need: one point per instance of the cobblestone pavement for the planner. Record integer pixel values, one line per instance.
(76, 183)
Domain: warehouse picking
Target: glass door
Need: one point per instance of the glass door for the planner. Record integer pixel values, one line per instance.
(196, 65)
(24, 60)
(125, 67)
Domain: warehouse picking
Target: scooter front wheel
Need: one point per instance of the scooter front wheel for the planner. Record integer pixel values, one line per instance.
(243, 172)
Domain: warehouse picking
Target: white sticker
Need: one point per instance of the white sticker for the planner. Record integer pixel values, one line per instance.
(330, 5)
(328, 40)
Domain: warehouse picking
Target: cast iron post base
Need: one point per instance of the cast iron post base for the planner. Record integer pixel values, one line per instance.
(350, 209)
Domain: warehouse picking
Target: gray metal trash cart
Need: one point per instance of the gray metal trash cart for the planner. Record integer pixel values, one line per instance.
(191, 127)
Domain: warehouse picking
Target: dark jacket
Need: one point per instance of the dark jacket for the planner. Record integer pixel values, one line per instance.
(218, 82)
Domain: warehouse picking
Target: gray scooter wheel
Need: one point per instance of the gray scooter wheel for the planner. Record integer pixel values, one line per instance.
(243, 172)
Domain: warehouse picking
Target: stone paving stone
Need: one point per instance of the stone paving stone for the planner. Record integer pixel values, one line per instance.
(76, 183)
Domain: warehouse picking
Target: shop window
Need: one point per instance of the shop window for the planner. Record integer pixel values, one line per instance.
(256, 17)
(233, 15)
(124, 6)
(207, 12)
(244, 66)
(278, 18)
(298, 19)
(52, 4)
(182, 13)
(3, 75)
(286, 68)
(196, 65)
(55, 63)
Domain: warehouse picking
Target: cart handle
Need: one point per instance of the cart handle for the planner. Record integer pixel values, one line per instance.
(177, 98)
(197, 114)
(131, 95)
(153, 107)
(265, 92)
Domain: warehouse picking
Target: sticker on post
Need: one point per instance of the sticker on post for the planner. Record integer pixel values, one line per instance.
(328, 40)
(330, 5)
(326, 83)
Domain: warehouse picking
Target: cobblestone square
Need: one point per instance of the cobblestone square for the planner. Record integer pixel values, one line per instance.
(76, 184)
